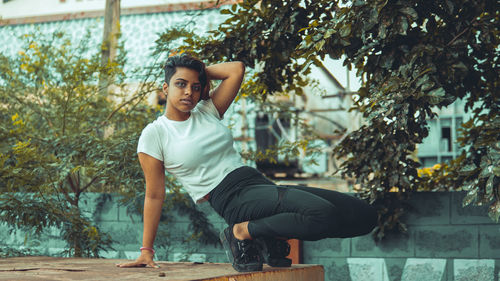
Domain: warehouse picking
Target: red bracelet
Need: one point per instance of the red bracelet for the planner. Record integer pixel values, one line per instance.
(149, 249)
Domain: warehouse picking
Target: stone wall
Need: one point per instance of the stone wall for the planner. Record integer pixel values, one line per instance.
(444, 242)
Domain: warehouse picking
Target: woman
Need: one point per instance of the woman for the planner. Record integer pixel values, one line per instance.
(190, 142)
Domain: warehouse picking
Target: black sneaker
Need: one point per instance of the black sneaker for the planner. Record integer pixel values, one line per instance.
(243, 254)
(274, 252)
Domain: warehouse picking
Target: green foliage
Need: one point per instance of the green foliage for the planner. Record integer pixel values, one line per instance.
(56, 137)
(7, 252)
(413, 56)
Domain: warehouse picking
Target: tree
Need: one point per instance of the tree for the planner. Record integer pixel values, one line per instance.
(60, 138)
(55, 145)
(413, 56)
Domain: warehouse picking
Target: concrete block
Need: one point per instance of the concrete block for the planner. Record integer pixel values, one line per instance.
(489, 241)
(109, 254)
(428, 208)
(99, 206)
(56, 252)
(446, 241)
(131, 255)
(179, 230)
(479, 269)
(211, 249)
(217, 258)
(332, 247)
(128, 215)
(424, 269)
(469, 214)
(395, 268)
(189, 257)
(15, 238)
(123, 233)
(394, 245)
(361, 269)
(336, 269)
(54, 243)
(5, 234)
(212, 216)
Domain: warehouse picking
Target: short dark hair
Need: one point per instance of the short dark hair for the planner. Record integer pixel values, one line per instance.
(185, 60)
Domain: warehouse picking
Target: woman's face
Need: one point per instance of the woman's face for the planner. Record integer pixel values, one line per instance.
(183, 93)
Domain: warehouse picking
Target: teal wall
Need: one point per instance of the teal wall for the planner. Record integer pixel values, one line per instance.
(445, 242)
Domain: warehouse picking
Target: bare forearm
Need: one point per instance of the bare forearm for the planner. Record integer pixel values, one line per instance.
(225, 70)
(152, 213)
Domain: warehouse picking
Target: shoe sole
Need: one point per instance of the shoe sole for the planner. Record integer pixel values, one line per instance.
(249, 267)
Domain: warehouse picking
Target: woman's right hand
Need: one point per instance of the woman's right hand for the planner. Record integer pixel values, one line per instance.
(145, 259)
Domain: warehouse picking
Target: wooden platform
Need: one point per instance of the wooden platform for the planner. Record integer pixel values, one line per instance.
(49, 268)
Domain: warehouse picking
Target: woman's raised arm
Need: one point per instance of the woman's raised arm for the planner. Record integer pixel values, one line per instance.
(231, 74)
(154, 174)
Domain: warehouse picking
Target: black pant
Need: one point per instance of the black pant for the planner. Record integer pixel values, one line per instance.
(299, 212)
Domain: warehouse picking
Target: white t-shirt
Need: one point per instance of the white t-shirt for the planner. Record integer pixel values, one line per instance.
(199, 151)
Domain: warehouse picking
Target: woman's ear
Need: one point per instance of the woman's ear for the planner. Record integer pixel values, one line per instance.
(165, 88)
(205, 94)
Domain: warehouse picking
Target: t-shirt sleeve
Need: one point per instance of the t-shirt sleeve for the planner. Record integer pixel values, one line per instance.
(208, 106)
(149, 142)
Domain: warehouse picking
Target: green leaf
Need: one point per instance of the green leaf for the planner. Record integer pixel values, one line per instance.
(469, 198)
(496, 171)
(409, 11)
(329, 33)
(494, 211)
(437, 95)
(489, 186)
(345, 30)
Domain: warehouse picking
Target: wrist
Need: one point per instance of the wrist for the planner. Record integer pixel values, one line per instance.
(149, 249)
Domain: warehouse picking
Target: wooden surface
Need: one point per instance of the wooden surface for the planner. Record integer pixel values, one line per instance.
(49, 268)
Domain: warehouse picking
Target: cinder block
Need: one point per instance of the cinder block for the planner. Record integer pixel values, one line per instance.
(424, 269)
(332, 247)
(467, 215)
(55, 243)
(428, 208)
(15, 238)
(394, 245)
(123, 233)
(212, 216)
(446, 241)
(109, 254)
(479, 269)
(489, 241)
(99, 206)
(367, 269)
(190, 257)
(131, 255)
(395, 268)
(336, 269)
(217, 258)
(56, 252)
(179, 230)
(211, 249)
(4, 232)
(128, 215)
